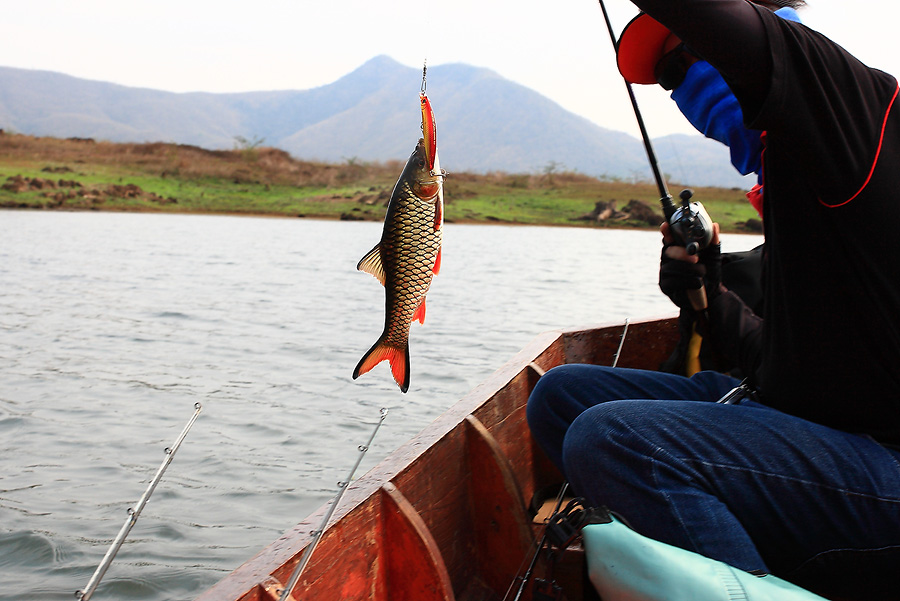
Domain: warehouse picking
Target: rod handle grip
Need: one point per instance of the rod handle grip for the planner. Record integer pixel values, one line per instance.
(698, 298)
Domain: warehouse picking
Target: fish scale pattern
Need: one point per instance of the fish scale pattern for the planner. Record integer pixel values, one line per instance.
(408, 254)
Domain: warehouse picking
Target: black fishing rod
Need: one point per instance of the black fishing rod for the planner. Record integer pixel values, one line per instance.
(529, 572)
(690, 222)
(664, 197)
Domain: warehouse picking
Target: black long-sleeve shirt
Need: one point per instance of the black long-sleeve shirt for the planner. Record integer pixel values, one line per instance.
(828, 349)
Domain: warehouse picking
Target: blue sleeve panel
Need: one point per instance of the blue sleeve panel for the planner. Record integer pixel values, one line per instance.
(707, 102)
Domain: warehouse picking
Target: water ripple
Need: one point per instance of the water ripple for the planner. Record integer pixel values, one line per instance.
(114, 325)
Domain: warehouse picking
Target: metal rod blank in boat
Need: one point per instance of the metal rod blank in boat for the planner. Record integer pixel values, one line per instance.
(621, 343)
(342, 487)
(135, 512)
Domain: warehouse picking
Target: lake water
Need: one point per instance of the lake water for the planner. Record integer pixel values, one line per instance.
(112, 326)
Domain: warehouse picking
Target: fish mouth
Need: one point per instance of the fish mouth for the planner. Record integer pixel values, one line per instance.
(429, 131)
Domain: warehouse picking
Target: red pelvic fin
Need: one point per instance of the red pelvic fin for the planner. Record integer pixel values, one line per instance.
(398, 359)
(438, 215)
(437, 263)
(420, 313)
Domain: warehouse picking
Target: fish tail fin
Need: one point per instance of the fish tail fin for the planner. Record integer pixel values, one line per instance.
(397, 357)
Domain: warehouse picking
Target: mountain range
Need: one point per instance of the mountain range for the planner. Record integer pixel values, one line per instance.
(485, 122)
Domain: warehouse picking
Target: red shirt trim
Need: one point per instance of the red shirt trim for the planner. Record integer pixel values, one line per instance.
(877, 153)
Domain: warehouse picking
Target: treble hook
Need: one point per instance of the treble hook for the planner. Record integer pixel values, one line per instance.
(424, 71)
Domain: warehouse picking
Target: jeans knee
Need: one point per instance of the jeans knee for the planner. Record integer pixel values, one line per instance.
(589, 433)
(548, 394)
(606, 438)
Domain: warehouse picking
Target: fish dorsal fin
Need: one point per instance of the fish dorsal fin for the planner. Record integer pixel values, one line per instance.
(371, 263)
(437, 263)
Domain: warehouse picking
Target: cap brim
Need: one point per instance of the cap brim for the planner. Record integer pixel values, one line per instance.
(640, 47)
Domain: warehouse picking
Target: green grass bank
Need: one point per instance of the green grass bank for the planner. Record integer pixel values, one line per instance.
(78, 174)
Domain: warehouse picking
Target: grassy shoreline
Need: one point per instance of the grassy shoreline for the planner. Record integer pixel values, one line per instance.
(83, 175)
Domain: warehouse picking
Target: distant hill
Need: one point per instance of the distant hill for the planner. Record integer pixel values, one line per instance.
(485, 122)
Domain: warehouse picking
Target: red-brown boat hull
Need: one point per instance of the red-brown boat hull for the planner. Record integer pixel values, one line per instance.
(444, 517)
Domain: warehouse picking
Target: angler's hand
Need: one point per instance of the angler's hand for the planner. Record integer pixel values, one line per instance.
(680, 272)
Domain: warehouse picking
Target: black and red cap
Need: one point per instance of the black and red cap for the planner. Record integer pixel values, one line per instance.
(644, 41)
(641, 45)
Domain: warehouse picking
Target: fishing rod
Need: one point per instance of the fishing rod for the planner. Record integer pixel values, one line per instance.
(664, 197)
(621, 344)
(317, 534)
(523, 580)
(135, 512)
(690, 222)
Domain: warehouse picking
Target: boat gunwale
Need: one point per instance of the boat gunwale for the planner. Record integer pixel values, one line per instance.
(259, 569)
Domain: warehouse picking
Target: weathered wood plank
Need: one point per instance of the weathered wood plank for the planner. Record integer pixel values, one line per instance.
(413, 566)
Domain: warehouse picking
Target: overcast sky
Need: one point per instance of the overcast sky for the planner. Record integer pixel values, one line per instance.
(559, 48)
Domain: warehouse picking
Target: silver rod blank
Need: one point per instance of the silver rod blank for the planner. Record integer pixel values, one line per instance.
(135, 512)
(342, 487)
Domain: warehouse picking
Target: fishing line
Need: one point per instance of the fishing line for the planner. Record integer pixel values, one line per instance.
(317, 534)
(424, 73)
(676, 156)
(135, 512)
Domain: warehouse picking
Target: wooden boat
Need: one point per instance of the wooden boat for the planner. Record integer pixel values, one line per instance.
(445, 517)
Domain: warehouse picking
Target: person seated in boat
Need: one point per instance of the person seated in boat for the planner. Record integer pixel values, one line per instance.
(801, 478)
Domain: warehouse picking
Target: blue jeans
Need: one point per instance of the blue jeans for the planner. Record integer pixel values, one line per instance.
(745, 484)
